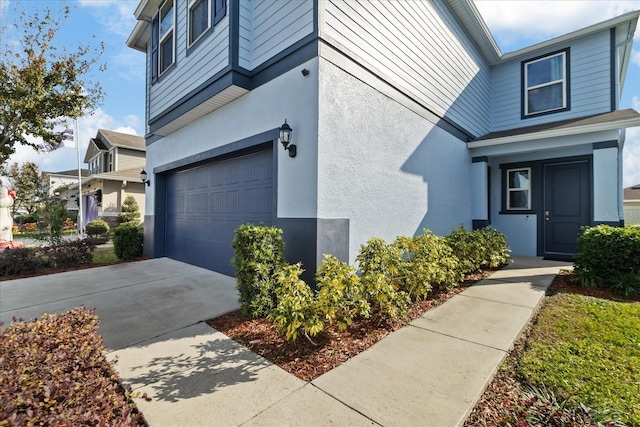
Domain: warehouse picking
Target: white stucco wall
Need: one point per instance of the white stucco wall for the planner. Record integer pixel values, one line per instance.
(385, 168)
(291, 96)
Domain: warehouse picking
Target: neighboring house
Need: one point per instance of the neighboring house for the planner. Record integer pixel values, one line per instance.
(405, 115)
(64, 185)
(115, 161)
(632, 204)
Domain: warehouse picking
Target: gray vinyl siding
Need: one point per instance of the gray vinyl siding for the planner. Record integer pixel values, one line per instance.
(421, 49)
(589, 83)
(128, 159)
(209, 56)
(267, 27)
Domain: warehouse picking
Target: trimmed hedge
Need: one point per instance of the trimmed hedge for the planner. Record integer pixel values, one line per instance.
(609, 257)
(259, 254)
(127, 242)
(53, 371)
(96, 227)
(31, 260)
(478, 249)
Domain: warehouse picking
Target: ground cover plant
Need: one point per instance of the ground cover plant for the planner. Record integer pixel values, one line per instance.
(577, 364)
(53, 371)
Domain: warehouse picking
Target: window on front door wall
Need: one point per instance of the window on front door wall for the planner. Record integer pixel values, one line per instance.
(519, 189)
(545, 84)
(167, 32)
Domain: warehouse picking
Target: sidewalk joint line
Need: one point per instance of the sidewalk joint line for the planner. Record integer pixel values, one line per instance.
(499, 302)
(344, 403)
(462, 339)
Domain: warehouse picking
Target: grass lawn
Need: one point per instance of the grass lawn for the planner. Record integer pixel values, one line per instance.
(587, 349)
(101, 255)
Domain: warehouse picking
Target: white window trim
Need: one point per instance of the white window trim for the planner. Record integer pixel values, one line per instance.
(509, 190)
(550, 83)
(163, 37)
(192, 3)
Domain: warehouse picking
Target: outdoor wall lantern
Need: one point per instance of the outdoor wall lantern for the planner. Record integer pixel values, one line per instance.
(285, 139)
(143, 177)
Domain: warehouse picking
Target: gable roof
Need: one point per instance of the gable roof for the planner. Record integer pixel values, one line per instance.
(107, 139)
(632, 193)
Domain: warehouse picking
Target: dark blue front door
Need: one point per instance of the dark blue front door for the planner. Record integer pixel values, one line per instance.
(567, 206)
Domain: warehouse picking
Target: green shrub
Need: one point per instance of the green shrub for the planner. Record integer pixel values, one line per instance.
(130, 212)
(478, 249)
(379, 270)
(258, 254)
(426, 262)
(31, 260)
(340, 297)
(295, 310)
(26, 218)
(609, 257)
(127, 242)
(96, 228)
(53, 371)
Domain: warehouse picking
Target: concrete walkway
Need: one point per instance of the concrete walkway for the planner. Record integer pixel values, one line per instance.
(430, 373)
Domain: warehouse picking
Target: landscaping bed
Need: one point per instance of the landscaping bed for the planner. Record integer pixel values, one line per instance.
(53, 371)
(308, 361)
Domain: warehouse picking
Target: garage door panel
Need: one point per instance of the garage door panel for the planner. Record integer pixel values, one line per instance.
(205, 206)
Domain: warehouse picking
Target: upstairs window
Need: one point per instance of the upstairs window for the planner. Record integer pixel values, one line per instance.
(166, 35)
(545, 84)
(199, 19)
(110, 160)
(519, 189)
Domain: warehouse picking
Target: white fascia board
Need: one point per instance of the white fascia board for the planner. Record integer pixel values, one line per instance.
(139, 37)
(556, 133)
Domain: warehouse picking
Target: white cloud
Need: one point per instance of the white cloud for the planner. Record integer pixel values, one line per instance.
(116, 15)
(635, 103)
(635, 56)
(4, 5)
(631, 157)
(65, 158)
(535, 21)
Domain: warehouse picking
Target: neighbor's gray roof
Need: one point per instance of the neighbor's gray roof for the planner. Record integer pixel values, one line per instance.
(132, 174)
(125, 140)
(632, 193)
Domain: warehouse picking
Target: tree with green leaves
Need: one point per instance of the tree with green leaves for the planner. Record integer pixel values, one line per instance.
(130, 212)
(28, 184)
(42, 86)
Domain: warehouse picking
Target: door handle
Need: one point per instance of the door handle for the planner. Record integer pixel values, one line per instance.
(546, 215)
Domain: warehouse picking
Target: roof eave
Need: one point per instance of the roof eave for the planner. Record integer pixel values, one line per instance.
(139, 37)
(556, 133)
(470, 18)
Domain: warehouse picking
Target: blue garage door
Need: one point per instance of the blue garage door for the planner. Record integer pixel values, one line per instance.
(206, 204)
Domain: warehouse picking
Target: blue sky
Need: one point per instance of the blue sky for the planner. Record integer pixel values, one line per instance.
(514, 24)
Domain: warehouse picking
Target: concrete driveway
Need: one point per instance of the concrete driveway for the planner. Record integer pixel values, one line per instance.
(135, 301)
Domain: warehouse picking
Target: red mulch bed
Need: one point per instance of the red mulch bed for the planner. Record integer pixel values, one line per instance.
(308, 361)
(54, 270)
